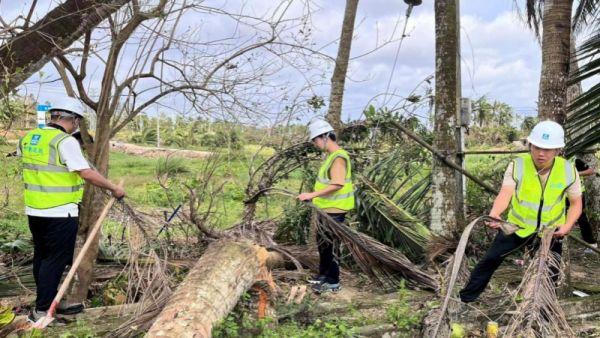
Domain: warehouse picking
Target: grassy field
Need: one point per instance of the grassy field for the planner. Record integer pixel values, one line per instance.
(141, 185)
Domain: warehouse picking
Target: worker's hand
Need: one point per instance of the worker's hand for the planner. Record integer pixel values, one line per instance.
(118, 192)
(494, 224)
(562, 231)
(306, 196)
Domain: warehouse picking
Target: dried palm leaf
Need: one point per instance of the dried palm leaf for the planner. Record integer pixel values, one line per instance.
(540, 314)
(384, 264)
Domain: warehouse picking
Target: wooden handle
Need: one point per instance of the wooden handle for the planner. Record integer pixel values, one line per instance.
(86, 246)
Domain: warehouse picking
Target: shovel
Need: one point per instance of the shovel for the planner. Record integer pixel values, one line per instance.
(49, 317)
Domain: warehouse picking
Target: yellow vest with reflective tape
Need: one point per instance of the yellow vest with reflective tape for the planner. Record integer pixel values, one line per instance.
(343, 198)
(48, 182)
(533, 206)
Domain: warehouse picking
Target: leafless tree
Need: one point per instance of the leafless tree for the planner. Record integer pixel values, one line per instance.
(26, 48)
(147, 59)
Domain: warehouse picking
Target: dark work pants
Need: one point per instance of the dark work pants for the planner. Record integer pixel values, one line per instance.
(54, 243)
(328, 245)
(501, 247)
(587, 231)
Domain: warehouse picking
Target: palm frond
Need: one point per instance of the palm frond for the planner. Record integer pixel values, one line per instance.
(540, 314)
(389, 221)
(382, 263)
(391, 201)
(583, 118)
(586, 13)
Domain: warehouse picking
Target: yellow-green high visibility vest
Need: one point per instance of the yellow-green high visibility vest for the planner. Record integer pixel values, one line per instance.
(48, 182)
(342, 199)
(533, 206)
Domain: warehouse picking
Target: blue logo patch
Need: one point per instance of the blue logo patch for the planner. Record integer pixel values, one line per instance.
(545, 136)
(557, 186)
(35, 139)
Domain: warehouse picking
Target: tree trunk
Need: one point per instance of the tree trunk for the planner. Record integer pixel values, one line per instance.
(338, 79)
(91, 208)
(210, 290)
(30, 50)
(556, 42)
(446, 213)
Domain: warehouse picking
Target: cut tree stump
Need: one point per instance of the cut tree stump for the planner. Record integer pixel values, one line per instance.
(211, 290)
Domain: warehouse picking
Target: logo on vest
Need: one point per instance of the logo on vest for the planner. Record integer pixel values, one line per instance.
(546, 137)
(557, 185)
(35, 139)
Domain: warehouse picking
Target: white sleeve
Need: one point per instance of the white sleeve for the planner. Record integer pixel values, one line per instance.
(71, 155)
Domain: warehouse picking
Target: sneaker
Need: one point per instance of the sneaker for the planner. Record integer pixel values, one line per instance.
(35, 315)
(326, 287)
(590, 251)
(318, 279)
(65, 308)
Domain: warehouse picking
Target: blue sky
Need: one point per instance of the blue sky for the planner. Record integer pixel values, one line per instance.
(500, 55)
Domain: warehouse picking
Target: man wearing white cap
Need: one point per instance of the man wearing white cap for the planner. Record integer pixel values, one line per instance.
(54, 171)
(536, 186)
(333, 193)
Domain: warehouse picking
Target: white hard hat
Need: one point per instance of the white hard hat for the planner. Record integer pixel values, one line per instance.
(318, 127)
(68, 104)
(547, 135)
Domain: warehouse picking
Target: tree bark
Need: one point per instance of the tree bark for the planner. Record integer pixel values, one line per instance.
(445, 212)
(338, 79)
(31, 49)
(556, 42)
(211, 290)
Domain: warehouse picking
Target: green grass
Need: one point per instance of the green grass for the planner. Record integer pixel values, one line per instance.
(143, 190)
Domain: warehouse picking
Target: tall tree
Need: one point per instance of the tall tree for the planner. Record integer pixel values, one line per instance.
(29, 48)
(338, 79)
(556, 42)
(446, 211)
(143, 60)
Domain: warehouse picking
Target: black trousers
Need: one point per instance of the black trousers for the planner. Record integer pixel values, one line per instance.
(501, 247)
(328, 252)
(587, 231)
(54, 243)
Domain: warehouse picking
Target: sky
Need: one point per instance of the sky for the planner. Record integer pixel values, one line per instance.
(500, 56)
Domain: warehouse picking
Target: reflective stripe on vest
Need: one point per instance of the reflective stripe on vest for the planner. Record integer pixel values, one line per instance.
(531, 205)
(47, 180)
(343, 198)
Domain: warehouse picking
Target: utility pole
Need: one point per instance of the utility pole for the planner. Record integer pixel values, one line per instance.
(157, 128)
(447, 211)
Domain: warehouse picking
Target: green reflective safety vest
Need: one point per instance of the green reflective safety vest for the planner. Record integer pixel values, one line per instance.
(48, 182)
(533, 206)
(342, 199)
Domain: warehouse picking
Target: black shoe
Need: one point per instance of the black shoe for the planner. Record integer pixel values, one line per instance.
(64, 309)
(318, 279)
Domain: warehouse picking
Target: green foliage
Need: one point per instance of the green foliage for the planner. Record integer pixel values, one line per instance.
(15, 246)
(489, 168)
(81, 330)
(528, 123)
(147, 136)
(295, 225)
(233, 327)
(171, 166)
(583, 118)
(12, 109)
(401, 313)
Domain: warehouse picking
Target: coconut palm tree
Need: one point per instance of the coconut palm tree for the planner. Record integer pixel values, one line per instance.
(556, 17)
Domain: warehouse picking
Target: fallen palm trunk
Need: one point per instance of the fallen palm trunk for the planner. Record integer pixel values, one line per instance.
(211, 289)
